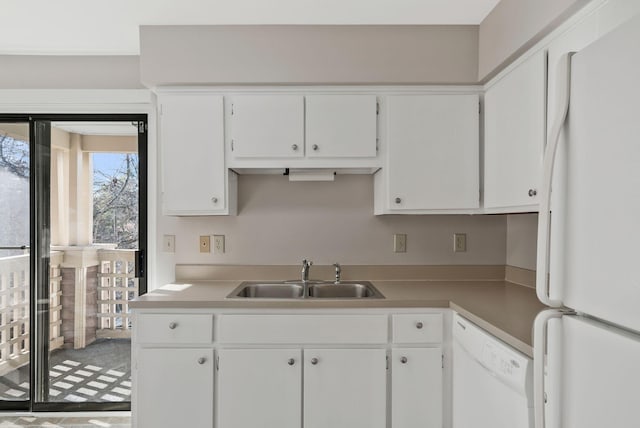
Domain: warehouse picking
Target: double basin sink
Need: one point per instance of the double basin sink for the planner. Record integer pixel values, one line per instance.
(310, 290)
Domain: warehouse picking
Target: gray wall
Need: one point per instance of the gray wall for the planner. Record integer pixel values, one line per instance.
(69, 72)
(280, 222)
(522, 236)
(515, 25)
(316, 54)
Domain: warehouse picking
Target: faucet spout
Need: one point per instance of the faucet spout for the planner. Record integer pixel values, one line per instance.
(306, 264)
(305, 269)
(338, 272)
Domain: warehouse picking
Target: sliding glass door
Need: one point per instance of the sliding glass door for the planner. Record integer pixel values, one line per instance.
(86, 213)
(15, 262)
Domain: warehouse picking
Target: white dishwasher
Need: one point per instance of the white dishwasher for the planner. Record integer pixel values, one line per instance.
(492, 382)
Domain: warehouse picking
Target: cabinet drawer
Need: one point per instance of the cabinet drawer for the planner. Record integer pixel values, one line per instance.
(417, 328)
(174, 328)
(301, 329)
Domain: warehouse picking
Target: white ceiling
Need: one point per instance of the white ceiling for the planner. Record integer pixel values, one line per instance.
(105, 27)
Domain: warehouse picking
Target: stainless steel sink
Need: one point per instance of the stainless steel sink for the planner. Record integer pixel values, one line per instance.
(345, 290)
(268, 290)
(315, 290)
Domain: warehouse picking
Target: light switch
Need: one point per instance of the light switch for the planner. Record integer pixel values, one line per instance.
(169, 243)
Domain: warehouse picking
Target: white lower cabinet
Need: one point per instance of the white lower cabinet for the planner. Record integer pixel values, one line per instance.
(259, 388)
(174, 388)
(262, 388)
(416, 388)
(345, 388)
(372, 368)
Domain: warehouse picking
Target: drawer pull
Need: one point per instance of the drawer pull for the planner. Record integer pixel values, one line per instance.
(419, 325)
(173, 325)
(291, 361)
(314, 361)
(201, 360)
(403, 360)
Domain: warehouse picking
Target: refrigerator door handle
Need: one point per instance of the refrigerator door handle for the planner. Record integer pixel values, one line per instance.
(544, 216)
(540, 329)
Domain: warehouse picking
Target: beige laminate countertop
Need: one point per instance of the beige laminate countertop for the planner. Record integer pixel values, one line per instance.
(504, 309)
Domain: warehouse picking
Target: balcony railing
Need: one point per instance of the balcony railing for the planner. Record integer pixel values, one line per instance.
(14, 309)
(116, 287)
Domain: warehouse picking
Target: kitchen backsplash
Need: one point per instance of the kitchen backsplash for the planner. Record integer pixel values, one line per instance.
(522, 235)
(280, 222)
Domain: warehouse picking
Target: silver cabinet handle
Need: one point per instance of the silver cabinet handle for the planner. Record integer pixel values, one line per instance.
(214, 200)
(398, 200)
(291, 361)
(294, 147)
(173, 325)
(403, 360)
(314, 361)
(532, 192)
(419, 325)
(201, 360)
(315, 147)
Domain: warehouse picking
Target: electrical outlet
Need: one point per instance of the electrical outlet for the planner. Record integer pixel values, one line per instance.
(399, 243)
(459, 242)
(169, 243)
(205, 244)
(218, 244)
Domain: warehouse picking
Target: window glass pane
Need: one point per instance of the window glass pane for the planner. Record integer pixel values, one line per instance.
(94, 204)
(14, 262)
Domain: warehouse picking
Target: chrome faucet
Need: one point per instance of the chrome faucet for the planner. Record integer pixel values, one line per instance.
(338, 271)
(305, 270)
(305, 277)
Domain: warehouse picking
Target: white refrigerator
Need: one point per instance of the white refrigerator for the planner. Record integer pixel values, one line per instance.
(587, 351)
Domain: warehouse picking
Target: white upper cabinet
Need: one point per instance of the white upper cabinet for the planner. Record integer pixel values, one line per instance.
(340, 126)
(432, 154)
(514, 119)
(194, 178)
(267, 126)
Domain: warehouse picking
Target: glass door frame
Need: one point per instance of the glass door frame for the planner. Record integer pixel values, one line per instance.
(39, 230)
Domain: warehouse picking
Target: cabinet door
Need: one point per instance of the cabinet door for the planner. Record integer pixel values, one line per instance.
(345, 388)
(259, 388)
(416, 388)
(174, 388)
(340, 126)
(515, 136)
(192, 147)
(433, 152)
(267, 126)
